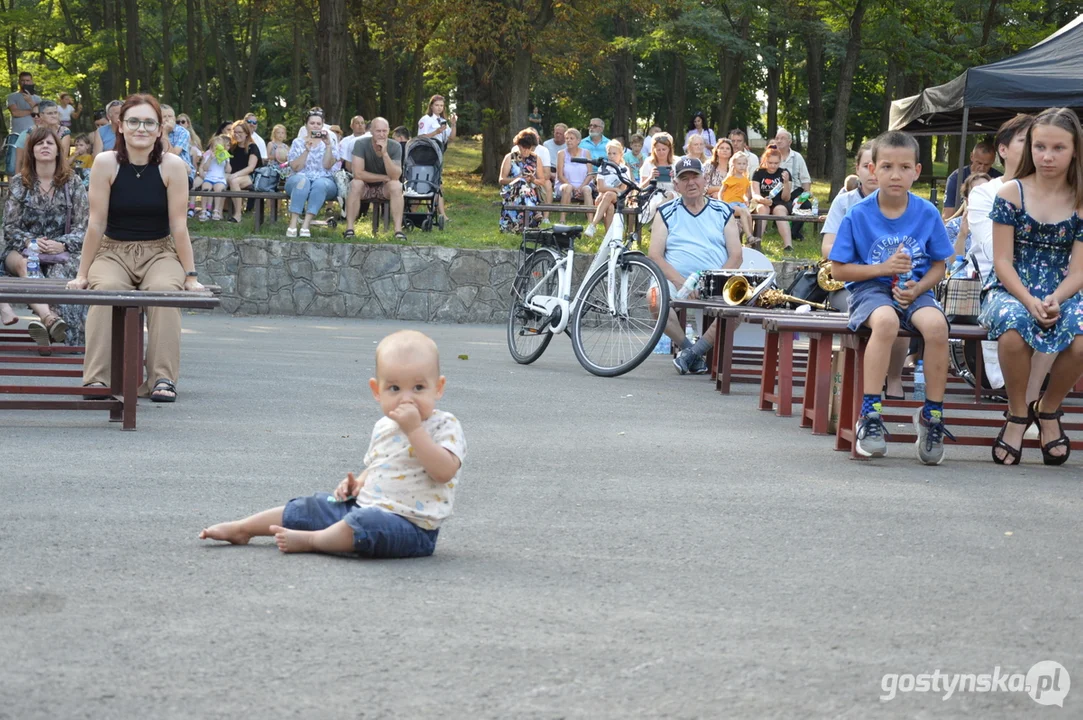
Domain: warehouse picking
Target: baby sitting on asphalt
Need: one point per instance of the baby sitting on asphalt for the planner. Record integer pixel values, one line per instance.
(394, 508)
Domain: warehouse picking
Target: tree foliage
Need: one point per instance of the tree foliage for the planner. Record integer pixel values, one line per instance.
(825, 69)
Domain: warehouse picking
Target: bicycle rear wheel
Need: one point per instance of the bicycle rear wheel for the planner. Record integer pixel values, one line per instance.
(610, 341)
(526, 338)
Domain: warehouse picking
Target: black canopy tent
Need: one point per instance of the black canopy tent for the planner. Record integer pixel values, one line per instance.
(1050, 74)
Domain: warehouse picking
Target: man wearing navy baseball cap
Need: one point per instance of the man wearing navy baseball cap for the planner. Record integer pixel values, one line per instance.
(691, 234)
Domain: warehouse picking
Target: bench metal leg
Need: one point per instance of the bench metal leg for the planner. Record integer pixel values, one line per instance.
(820, 384)
(133, 363)
(725, 364)
(784, 407)
(116, 363)
(769, 372)
(845, 429)
(257, 216)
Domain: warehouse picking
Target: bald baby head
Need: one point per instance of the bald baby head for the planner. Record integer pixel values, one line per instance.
(408, 347)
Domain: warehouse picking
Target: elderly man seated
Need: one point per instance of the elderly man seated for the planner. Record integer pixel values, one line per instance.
(691, 234)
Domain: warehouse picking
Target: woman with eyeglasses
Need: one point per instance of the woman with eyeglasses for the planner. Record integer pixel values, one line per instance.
(137, 239)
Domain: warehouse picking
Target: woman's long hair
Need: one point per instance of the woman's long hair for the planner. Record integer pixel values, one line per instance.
(121, 147)
(665, 139)
(191, 128)
(714, 152)
(1066, 120)
(29, 166)
(433, 99)
(243, 124)
(703, 120)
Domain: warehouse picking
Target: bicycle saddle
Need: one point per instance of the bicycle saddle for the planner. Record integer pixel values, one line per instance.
(571, 230)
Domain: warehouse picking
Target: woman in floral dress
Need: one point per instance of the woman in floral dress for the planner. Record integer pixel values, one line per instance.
(1032, 299)
(47, 202)
(518, 174)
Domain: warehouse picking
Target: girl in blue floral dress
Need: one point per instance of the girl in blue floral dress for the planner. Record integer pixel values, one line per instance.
(1032, 299)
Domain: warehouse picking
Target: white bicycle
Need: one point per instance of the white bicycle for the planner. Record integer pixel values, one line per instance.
(616, 316)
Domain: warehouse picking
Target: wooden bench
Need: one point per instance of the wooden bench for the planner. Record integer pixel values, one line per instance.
(119, 398)
(633, 212)
(817, 400)
(259, 197)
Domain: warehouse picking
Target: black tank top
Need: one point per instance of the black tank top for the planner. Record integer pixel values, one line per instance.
(138, 206)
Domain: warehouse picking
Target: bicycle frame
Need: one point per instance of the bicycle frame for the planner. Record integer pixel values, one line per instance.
(563, 302)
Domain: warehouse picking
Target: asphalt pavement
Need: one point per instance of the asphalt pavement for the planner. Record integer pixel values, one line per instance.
(636, 547)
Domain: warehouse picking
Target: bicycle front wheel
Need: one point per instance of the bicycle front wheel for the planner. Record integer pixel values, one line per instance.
(611, 338)
(526, 338)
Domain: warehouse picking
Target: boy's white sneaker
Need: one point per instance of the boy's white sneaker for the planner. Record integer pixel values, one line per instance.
(590, 229)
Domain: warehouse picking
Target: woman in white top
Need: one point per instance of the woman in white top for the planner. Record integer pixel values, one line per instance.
(436, 124)
(658, 169)
(574, 178)
(698, 150)
(698, 127)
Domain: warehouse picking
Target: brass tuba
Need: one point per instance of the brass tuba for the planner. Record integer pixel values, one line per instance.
(824, 279)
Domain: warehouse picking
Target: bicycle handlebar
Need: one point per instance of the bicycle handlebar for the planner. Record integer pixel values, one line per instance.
(605, 162)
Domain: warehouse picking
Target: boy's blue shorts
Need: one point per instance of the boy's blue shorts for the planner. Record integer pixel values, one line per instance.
(377, 533)
(866, 296)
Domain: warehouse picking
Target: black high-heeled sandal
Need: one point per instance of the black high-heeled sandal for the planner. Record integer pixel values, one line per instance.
(1014, 454)
(1047, 457)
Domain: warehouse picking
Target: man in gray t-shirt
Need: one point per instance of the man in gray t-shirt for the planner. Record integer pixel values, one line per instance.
(377, 175)
(23, 104)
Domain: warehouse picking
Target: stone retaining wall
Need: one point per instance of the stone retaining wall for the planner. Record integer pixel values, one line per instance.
(260, 276)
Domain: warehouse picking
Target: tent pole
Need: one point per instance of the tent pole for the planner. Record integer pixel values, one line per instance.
(962, 146)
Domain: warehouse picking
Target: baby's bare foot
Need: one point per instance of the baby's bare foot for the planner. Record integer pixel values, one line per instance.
(228, 531)
(292, 541)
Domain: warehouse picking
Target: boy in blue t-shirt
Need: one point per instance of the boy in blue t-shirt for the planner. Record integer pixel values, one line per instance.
(891, 250)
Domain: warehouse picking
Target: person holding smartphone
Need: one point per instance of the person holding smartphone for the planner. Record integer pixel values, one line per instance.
(658, 170)
(23, 104)
(311, 157)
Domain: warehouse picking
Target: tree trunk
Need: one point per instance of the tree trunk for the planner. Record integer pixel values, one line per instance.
(137, 70)
(774, 75)
(519, 89)
(115, 12)
(842, 98)
(678, 99)
(730, 65)
(624, 89)
(890, 83)
(941, 148)
(255, 34)
(295, 69)
(817, 132)
(193, 57)
(167, 52)
(334, 60)
(204, 95)
(388, 96)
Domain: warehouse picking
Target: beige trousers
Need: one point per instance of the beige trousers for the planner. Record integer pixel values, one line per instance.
(135, 265)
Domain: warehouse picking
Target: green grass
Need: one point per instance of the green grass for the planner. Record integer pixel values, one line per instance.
(475, 219)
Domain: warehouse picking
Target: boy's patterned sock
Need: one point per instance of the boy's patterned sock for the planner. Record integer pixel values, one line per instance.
(870, 403)
(702, 347)
(932, 406)
(686, 343)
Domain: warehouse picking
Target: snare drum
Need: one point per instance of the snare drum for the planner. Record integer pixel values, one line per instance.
(711, 282)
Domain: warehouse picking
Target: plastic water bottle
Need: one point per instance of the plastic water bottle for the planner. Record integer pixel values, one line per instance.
(919, 382)
(815, 206)
(689, 285)
(959, 264)
(690, 332)
(33, 267)
(664, 346)
(901, 279)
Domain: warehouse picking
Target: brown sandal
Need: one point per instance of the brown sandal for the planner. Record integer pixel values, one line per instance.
(1047, 456)
(58, 329)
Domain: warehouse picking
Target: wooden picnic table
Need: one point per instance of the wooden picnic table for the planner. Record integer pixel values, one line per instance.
(119, 398)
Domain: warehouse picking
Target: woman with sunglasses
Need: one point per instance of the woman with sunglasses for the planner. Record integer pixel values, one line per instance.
(137, 238)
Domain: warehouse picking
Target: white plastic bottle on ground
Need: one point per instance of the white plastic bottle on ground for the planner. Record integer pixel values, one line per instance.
(919, 382)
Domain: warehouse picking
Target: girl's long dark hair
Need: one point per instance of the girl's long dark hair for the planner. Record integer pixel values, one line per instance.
(121, 147)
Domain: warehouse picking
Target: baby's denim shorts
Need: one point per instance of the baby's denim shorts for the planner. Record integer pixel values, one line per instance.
(377, 533)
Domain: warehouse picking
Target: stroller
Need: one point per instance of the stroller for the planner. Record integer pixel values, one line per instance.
(422, 179)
